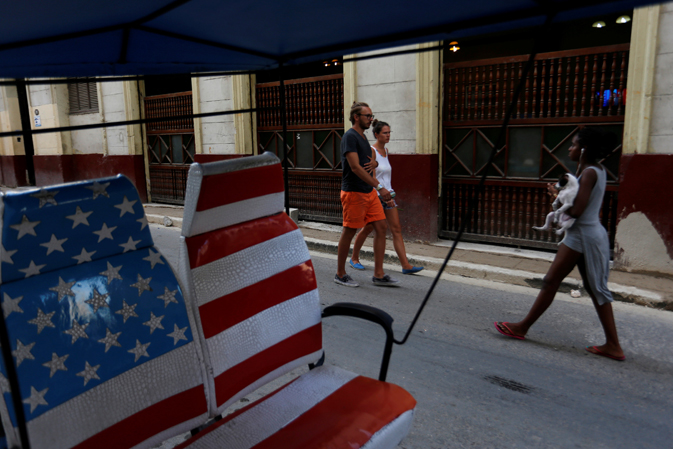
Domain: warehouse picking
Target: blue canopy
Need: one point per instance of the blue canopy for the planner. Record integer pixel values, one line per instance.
(58, 38)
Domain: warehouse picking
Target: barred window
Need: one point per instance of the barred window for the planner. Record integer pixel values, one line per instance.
(83, 96)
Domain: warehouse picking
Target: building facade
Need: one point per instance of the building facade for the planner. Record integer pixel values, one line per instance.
(445, 110)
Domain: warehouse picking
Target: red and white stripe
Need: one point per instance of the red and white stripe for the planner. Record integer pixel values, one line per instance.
(326, 407)
(248, 272)
(258, 303)
(134, 410)
(223, 194)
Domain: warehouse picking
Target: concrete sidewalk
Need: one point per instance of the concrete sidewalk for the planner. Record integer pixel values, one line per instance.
(490, 262)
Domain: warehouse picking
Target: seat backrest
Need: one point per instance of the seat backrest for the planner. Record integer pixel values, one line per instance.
(246, 268)
(98, 327)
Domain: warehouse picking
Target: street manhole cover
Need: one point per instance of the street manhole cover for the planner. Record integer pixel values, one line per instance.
(509, 384)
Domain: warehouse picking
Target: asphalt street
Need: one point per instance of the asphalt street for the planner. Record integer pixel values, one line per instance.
(476, 388)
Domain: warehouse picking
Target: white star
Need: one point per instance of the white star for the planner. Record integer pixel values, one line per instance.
(54, 244)
(25, 227)
(154, 258)
(140, 350)
(84, 256)
(7, 255)
(89, 372)
(77, 331)
(143, 222)
(177, 334)
(127, 311)
(32, 269)
(126, 206)
(98, 300)
(56, 363)
(98, 189)
(112, 273)
(142, 285)
(130, 245)
(154, 322)
(42, 320)
(110, 339)
(45, 197)
(10, 305)
(36, 398)
(23, 352)
(63, 288)
(168, 296)
(79, 217)
(4, 384)
(105, 233)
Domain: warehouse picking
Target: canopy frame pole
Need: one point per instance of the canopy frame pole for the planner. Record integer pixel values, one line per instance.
(26, 129)
(8, 360)
(541, 37)
(283, 120)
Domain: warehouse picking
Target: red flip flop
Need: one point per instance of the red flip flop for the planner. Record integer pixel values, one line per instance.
(597, 351)
(509, 332)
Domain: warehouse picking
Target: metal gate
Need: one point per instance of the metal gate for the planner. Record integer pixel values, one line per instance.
(315, 125)
(564, 90)
(171, 146)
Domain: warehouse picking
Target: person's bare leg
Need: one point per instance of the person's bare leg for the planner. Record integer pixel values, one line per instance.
(606, 317)
(563, 264)
(359, 241)
(393, 219)
(342, 251)
(380, 228)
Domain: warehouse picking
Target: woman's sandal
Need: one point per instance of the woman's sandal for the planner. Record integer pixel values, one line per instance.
(595, 351)
(506, 331)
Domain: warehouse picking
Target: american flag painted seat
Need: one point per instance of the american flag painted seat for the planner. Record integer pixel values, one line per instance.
(100, 334)
(248, 274)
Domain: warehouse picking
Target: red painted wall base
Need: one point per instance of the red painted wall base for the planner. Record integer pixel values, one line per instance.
(644, 186)
(415, 181)
(13, 171)
(205, 158)
(68, 168)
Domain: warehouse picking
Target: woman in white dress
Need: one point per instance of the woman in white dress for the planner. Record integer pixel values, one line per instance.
(383, 176)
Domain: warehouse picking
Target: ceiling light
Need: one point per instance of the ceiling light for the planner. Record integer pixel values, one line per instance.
(454, 46)
(598, 24)
(623, 19)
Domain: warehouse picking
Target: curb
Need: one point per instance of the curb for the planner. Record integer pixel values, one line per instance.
(620, 292)
(164, 220)
(508, 276)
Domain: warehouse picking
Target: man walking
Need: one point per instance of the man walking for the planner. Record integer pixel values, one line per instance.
(361, 205)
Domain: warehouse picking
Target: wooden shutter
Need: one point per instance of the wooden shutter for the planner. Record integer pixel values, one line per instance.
(83, 96)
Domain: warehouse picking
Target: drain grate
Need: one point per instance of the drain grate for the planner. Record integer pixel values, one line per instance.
(509, 384)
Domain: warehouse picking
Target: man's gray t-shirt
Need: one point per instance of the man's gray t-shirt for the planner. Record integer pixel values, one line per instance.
(352, 141)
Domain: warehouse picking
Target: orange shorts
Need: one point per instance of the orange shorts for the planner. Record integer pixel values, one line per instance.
(361, 208)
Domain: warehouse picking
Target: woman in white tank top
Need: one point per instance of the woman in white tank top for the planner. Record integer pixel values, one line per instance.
(383, 176)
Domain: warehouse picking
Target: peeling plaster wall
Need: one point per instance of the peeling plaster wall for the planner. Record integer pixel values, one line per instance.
(661, 127)
(388, 85)
(644, 236)
(218, 134)
(645, 242)
(641, 246)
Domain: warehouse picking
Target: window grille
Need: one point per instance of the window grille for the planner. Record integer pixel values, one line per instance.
(83, 96)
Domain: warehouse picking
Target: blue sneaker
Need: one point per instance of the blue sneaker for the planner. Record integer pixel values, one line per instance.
(411, 270)
(357, 266)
